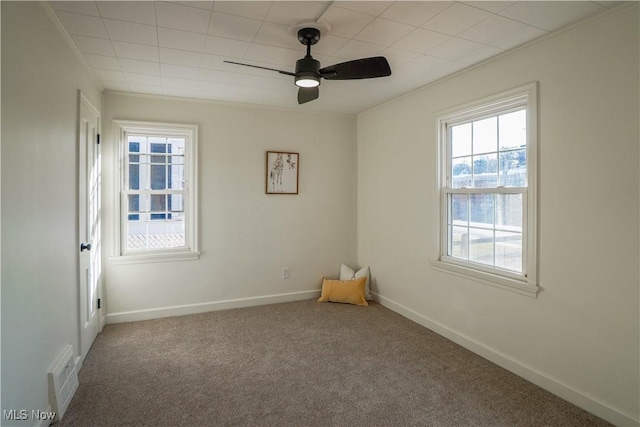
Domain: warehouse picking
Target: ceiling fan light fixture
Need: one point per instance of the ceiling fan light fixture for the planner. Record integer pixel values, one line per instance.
(307, 72)
(307, 81)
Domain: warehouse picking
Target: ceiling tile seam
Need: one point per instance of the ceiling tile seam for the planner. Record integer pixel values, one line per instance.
(180, 3)
(420, 25)
(157, 25)
(276, 22)
(408, 34)
(104, 25)
(473, 5)
(70, 12)
(229, 38)
(424, 53)
(444, 41)
(155, 17)
(355, 35)
(205, 41)
(491, 15)
(338, 6)
(110, 40)
(236, 15)
(384, 19)
(439, 13)
(122, 20)
(499, 14)
(206, 33)
(495, 46)
(160, 63)
(386, 8)
(325, 11)
(253, 39)
(520, 22)
(602, 9)
(100, 38)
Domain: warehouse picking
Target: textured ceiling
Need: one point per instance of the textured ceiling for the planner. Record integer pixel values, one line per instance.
(178, 48)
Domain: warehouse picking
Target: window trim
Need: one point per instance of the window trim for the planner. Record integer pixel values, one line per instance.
(190, 251)
(526, 284)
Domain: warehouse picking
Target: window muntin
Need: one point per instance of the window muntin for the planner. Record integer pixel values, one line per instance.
(158, 189)
(487, 190)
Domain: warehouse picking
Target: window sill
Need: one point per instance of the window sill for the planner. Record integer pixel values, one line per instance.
(157, 257)
(513, 285)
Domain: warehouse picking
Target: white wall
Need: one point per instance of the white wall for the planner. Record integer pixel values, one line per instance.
(580, 337)
(246, 236)
(40, 79)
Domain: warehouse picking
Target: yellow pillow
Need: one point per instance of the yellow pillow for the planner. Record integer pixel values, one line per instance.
(346, 291)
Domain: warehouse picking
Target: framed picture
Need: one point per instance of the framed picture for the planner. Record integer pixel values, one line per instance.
(282, 172)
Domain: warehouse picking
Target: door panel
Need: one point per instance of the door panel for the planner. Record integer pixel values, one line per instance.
(90, 245)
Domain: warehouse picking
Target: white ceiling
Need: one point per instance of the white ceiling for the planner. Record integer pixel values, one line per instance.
(178, 48)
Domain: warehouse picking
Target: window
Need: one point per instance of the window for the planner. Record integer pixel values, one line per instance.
(487, 190)
(158, 195)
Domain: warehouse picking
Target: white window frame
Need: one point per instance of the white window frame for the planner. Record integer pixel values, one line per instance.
(525, 283)
(122, 128)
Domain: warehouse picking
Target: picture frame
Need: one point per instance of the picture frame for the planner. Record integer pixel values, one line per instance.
(282, 172)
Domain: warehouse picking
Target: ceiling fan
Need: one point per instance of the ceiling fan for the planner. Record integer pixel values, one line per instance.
(308, 72)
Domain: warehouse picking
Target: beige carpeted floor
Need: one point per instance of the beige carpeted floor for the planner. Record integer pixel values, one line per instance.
(301, 364)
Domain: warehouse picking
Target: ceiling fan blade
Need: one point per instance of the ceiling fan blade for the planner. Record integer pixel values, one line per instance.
(365, 68)
(287, 73)
(306, 94)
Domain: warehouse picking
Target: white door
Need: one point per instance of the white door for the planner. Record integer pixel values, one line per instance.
(89, 222)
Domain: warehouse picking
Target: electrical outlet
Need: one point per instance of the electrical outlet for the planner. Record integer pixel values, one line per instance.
(285, 273)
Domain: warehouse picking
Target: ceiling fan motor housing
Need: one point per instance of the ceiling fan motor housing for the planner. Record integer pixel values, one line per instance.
(308, 68)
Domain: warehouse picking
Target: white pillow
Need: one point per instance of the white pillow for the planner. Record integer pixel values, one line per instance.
(347, 273)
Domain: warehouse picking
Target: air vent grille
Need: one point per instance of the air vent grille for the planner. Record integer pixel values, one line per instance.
(63, 382)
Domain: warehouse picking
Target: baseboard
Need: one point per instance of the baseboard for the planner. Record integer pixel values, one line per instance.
(566, 391)
(79, 362)
(181, 310)
(102, 321)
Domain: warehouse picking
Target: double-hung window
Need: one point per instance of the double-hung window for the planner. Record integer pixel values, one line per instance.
(487, 190)
(158, 192)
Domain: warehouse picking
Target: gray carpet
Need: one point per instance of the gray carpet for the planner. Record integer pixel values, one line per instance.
(301, 364)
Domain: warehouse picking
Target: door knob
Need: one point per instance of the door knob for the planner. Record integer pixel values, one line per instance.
(84, 246)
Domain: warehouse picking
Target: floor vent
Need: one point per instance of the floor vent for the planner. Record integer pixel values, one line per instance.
(63, 382)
